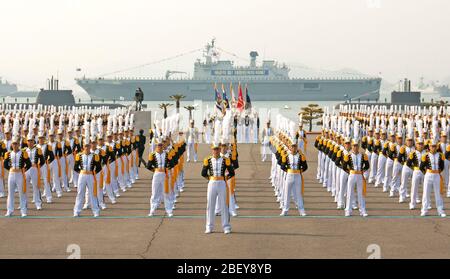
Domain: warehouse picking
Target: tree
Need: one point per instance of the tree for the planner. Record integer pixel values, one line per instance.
(164, 106)
(311, 113)
(190, 109)
(177, 98)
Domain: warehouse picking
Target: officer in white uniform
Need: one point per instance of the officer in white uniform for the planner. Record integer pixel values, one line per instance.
(192, 141)
(17, 163)
(214, 169)
(432, 164)
(356, 164)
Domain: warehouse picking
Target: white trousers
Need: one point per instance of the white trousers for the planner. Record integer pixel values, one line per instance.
(355, 180)
(388, 174)
(217, 191)
(396, 177)
(85, 182)
(158, 194)
(293, 188)
(417, 180)
(47, 188)
(15, 180)
(432, 182)
(319, 165)
(99, 197)
(381, 169)
(55, 177)
(190, 148)
(64, 178)
(406, 178)
(32, 179)
(343, 189)
(373, 167)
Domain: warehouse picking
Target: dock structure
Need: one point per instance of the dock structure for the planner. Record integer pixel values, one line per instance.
(124, 231)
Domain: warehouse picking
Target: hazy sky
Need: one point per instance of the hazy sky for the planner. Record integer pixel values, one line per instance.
(395, 37)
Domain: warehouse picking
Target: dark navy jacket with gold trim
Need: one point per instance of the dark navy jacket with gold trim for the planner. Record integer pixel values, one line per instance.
(207, 169)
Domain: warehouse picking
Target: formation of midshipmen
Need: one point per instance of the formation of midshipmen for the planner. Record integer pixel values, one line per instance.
(55, 149)
(401, 149)
(288, 165)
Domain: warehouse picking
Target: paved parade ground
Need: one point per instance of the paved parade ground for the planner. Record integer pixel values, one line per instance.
(125, 231)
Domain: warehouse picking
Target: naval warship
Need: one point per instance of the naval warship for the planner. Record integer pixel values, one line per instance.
(267, 81)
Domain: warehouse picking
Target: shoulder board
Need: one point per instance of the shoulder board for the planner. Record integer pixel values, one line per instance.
(346, 158)
(411, 155)
(151, 156)
(366, 157)
(103, 152)
(110, 149)
(39, 151)
(283, 158)
(364, 139)
(137, 138)
(448, 148)
(78, 157)
(206, 161)
(117, 145)
(424, 157)
(96, 157)
(67, 143)
(402, 150)
(3, 145)
(336, 148)
(227, 161)
(58, 145)
(6, 154)
(25, 154)
(339, 154)
(442, 156)
(386, 144)
(303, 157)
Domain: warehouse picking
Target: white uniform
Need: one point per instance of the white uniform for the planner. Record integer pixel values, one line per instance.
(293, 184)
(159, 191)
(32, 175)
(356, 180)
(191, 141)
(46, 174)
(407, 173)
(417, 180)
(217, 191)
(86, 182)
(16, 180)
(432, 181)
(266, 134)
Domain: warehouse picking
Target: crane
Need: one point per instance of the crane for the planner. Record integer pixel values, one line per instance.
(169, 73)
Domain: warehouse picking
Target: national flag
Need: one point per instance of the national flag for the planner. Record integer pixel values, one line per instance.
(225, 98)
(240, 102)
(218, 98)
(248, 102)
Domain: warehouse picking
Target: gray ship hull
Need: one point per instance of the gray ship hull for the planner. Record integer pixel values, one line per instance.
(259, 90)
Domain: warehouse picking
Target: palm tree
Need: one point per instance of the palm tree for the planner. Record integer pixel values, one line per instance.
(164, 106)
(190, 109)
(310, 113)
(177, 98)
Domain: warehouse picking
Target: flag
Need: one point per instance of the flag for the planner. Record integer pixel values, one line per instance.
(218, 98)
(248, 103)
(225, 98)
(240, 102)
(233, 101)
